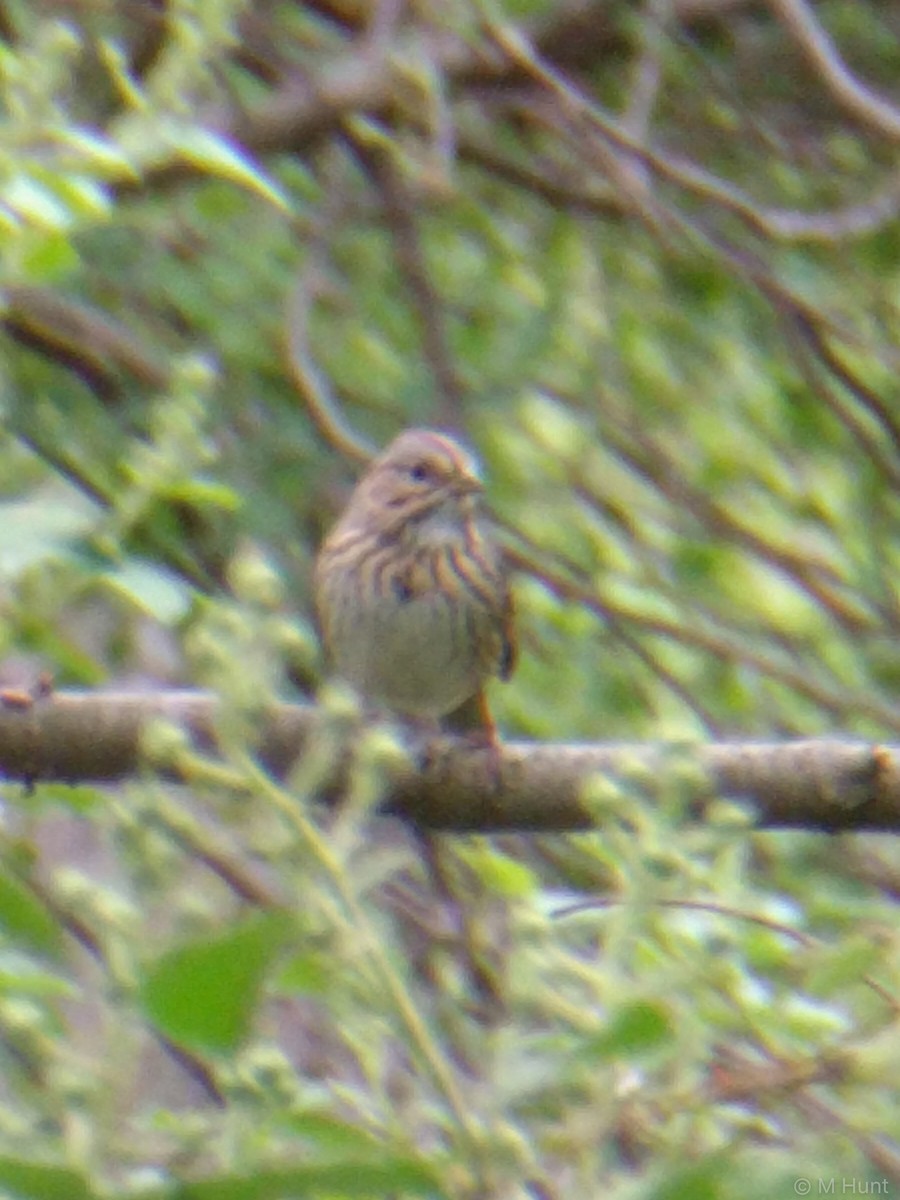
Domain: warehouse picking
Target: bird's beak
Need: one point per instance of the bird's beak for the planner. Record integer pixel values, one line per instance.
(467, 485)
(467, 493)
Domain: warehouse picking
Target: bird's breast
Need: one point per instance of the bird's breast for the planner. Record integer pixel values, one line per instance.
(412, 642)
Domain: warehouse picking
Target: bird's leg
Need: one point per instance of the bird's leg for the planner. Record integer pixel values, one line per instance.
(473, 721)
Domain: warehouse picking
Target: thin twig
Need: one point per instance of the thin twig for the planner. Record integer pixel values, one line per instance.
(311, 383)
(736, 914)
(855, 97)
(400, 212)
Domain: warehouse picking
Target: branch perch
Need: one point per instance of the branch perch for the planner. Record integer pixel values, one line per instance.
(828, 784)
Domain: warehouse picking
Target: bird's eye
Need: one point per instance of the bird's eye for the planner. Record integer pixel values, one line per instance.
(420, 472)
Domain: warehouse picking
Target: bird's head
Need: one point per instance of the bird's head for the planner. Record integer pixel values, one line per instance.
(424, 484)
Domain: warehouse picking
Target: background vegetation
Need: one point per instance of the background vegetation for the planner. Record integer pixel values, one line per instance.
(646, 258)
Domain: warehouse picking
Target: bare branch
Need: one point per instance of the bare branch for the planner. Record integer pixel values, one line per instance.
(882, 412)
(826, 784)
(548, 185)
(805, 344)
(713, 641)
(304, 109)
(771, 223)
(312, 385)
(401, 216)
(818, 47)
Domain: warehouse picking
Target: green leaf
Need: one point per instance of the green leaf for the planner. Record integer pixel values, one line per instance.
(37, 985)
(40, 527)
(204, 994)
(205, 493)
(838, 967)
(80, 799)
(217, 156)
(82, 198)
(161, 593)
(707, 1180)
(47, 256)
(36, 203)
(25, 921)
(330, 1133)
(375, 1178)
(633, 1030)
(504, 875)
(99, 153)
(37, 1181)
(307, 972)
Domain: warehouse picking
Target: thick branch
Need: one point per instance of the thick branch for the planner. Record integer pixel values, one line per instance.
(828, 784)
